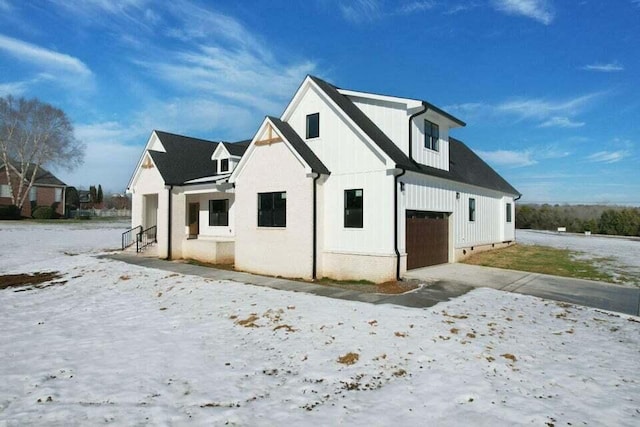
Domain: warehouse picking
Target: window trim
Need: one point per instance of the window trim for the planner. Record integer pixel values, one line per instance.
(272, 223)
(218, 213)
(431, 143)
(348, 214)
(509, 213)
(308, 133)
(7, 191)
(472, 209)
(222, 163)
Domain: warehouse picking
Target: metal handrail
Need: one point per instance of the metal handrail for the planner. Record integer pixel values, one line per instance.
(146, 238)
(127, 236)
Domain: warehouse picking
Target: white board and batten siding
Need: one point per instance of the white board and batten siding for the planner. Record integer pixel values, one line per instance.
(354, 163)
(426, 193)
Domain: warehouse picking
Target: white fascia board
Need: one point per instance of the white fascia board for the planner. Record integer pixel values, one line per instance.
(237, 171)
(410, 103)
(144, 152)
(220, 152)
(138, 170)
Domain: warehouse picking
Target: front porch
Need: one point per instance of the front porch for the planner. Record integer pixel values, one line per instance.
(209, 227)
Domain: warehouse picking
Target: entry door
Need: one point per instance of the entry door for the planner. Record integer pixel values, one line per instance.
(427, 238)
(194, 223)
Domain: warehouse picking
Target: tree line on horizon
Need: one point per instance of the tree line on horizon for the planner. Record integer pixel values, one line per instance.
(597, 219)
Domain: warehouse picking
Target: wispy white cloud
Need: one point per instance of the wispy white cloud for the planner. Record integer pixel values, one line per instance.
(549, 113)
(44, 58)
(542, 109)
(416, 6)
(608, 156)
(508, 158)
(561, 122)
(459, 8)
(218, 56)
(539, 10)
(605, 68)
(5, 6)
(358, 11)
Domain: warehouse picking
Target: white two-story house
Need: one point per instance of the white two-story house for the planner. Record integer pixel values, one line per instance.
(345, 185)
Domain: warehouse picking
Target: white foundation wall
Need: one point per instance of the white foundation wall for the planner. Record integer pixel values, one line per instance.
(274, 251)
(426, 193)
(148, 181)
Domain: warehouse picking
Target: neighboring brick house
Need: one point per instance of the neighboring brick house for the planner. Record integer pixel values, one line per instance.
(46, 190)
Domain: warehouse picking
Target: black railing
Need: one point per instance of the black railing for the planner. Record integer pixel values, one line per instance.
(128, 236)
(146, 237)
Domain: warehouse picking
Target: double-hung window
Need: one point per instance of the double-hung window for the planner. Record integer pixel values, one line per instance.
(431, 135)
(313, 125)
(219, 213)
(224, 165)
(353, 208)
(508, 212)
(272, 209)
(472, 209)
(33, 194)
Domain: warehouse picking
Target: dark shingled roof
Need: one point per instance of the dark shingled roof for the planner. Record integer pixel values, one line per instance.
(185, 158)
(43, 176)
(237, 148)
(464, 165)
(298, 144)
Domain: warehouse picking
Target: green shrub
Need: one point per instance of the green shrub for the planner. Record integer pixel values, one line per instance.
(43, 212)
(9, 212)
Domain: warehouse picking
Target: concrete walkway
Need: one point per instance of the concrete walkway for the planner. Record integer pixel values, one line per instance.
(622, 299)
(441, 283)
(426, 296)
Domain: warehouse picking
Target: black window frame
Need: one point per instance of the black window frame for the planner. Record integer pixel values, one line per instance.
(472, 209)
(224, 162)
(309, 133)
(509, 213)
(218, 217)
(431, 138)
(354, 208)
(272, 209)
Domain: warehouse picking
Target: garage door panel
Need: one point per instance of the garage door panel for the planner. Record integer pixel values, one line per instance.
(427, 239)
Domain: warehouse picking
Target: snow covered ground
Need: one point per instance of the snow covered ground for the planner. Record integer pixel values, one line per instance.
(127, 345)
(617, 256)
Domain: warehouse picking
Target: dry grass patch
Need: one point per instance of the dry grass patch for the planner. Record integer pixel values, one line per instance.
(249, 322)
(540, 259)
(349, 358)
(34, 280)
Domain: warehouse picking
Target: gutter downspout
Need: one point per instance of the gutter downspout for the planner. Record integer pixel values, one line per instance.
(395, 221)
(411, 117)
(315, 227)
(169, 225)
(395, 188)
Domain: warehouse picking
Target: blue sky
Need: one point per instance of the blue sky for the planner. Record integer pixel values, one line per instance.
(549, 89)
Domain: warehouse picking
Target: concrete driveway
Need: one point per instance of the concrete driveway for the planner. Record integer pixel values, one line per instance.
(622, 299)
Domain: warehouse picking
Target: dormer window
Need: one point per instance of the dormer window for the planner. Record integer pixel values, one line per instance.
(224, 165)
(313, 125)
(431, 135)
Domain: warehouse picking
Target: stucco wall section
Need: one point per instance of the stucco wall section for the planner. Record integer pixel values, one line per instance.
(268, 250)
(351, 266)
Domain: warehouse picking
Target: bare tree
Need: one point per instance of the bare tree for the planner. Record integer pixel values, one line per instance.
(34, 134)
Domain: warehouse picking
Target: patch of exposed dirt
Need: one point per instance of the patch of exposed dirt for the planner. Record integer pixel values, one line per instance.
(30, 281)
(392, 288)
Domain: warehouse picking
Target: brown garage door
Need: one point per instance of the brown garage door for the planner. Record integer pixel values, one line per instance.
(427, 238)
